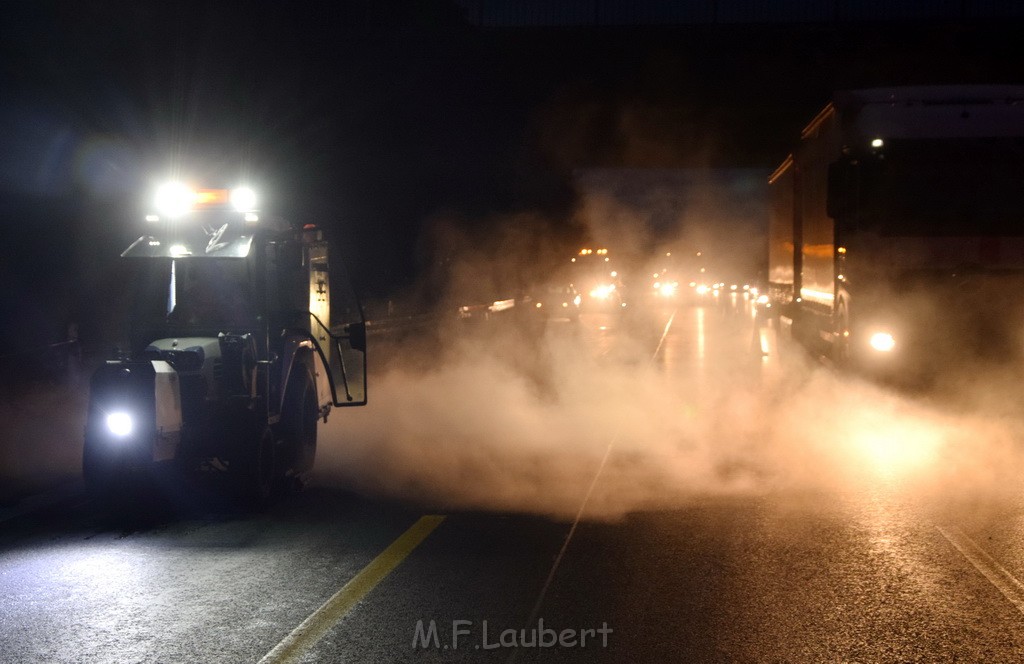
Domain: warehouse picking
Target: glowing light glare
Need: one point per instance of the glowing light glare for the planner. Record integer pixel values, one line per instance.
(762, 299)
(668, 290)
(539, 305)
(174, 199)
(603, 292)
(892, 443)
(120, 424)
(702, 289)
(883, 342)
(243, 199)
(877, 143)
(179, 250)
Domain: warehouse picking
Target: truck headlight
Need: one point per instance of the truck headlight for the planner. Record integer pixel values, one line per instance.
(120, 424)
(882, 342)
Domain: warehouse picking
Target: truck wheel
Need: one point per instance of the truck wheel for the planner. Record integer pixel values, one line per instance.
(841, 352)
(300, 415)
(260, 471)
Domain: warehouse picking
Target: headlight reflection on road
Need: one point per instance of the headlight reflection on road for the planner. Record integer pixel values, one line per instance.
(891, 443)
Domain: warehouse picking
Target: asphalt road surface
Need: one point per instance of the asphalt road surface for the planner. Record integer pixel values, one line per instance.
(792, 516)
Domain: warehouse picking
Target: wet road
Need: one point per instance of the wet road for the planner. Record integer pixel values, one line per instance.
(723, 499)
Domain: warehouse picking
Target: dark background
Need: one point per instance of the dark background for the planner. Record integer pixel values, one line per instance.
(384, 121)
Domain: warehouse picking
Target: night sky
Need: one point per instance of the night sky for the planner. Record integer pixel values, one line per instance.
(380, 120)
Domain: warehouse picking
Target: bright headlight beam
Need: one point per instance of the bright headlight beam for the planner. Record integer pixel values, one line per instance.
(120, 424)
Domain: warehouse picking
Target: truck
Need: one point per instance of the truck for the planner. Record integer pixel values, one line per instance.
(243, 332)
(896, 229)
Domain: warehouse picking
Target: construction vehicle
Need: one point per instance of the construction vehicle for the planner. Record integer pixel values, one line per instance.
(243, 334)
(895, 238)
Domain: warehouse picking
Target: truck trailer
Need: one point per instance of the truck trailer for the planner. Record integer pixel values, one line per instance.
(896, 229)
(243, 333)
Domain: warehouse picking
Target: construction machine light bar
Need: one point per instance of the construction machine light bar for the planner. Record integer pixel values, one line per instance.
(590, 252)
(176, 199)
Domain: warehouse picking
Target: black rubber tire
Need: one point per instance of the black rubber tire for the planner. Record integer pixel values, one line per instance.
(261, 475)
(842, 356)
(299, 419)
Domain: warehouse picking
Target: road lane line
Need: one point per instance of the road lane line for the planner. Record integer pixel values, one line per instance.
(312, 629)
(586, 499)
(1005, 582)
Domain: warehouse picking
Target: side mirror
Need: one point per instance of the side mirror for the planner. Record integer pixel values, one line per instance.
(356, 336)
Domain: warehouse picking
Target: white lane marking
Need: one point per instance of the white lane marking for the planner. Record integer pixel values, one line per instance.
(586, 499)
(997, 575)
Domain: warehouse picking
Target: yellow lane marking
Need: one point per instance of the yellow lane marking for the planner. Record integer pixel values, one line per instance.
(333, 610)
(997, 575)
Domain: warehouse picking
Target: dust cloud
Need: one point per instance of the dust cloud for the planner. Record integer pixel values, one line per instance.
(615, 414)
(485, 429)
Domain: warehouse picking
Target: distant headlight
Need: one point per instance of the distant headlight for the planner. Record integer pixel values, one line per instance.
(762, 299)
(120, 424)
(882, 342)
(603, 292)
(667, 290)
(702, 289)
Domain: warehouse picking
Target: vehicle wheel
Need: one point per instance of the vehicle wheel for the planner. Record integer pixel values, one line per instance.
(299, 419)
(841, 351)
(103, 479)
(260, 476)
